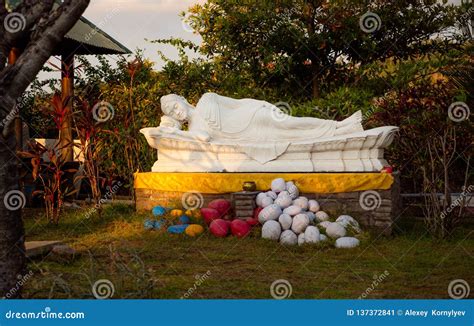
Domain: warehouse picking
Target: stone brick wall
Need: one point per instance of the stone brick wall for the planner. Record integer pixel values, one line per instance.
(374, 209)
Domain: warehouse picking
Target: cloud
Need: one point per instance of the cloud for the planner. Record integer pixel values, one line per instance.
(157, 6)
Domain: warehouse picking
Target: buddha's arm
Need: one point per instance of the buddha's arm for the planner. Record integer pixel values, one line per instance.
(193, 135)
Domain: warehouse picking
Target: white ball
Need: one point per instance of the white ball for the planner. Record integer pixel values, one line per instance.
(301, 239)
(283, 201)
(259, 198)
(267, 201)
(324, 225)
(300, 222)
(322, 237)
(272, 195)
(347, 242)
(284, 193)
(313, 205)
(301, 202)
(271, 212)
(311, 234)
(285, 221)
(321, 216)
(349, 223)
(292, 190)
(311, 216)
(292, 210)
(271, 230)
(288, 238)
(278, 185)
(335, 230)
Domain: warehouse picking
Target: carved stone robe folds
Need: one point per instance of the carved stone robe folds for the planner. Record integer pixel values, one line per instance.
(259, 128)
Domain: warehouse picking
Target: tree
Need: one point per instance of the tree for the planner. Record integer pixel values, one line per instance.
(303, 46)
(37, 27)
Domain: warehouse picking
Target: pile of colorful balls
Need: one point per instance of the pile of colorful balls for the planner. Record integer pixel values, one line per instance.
(217, 216)
(292, 219)
(175, 220)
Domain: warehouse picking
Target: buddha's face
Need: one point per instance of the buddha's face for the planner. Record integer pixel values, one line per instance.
(176, 107)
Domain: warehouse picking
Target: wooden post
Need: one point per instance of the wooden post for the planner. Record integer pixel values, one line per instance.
(17, 123)
(67, 92)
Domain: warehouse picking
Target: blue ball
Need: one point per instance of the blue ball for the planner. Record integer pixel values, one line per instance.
(158, 210)
(177, 229)
(148, 224)
(184, 219)
(158, 224)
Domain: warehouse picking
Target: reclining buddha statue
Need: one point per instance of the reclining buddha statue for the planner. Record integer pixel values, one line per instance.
(248, 135)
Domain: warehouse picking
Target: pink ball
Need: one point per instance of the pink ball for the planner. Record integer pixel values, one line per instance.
(219, 228)
(239, 228)
(209, 214)
(221, 205)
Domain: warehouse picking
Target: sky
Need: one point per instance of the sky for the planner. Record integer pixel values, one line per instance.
(132, 21)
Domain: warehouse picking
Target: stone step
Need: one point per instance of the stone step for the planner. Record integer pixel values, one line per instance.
(39, 248)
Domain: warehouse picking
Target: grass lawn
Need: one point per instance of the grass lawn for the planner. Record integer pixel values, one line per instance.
(154, 264)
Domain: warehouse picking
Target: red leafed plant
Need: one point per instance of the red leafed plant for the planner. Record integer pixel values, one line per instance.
(47, 166)
(88, 131)
(58, 110)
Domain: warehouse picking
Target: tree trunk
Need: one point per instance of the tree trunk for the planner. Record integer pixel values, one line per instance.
(12, 248)
(50, 27)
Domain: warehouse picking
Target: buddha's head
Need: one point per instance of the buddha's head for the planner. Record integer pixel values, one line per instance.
(176, 107)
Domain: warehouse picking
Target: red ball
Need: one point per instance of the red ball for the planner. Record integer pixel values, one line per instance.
(221, 205)
(219, 228)
(251, 221)
(239, 228)
(209, 214)
(256, 211)
(387, 169)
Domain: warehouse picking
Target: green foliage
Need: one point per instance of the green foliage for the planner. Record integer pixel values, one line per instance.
(133, 91)
(305, 47)
(338, 104)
